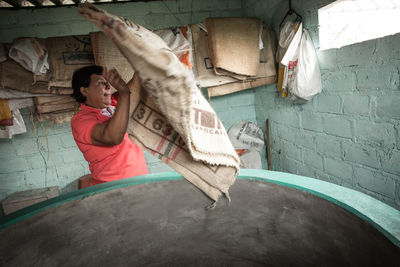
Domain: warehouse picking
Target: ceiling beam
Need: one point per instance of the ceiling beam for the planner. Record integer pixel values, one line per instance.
(14, 3)
(58, 2)
(37, 3)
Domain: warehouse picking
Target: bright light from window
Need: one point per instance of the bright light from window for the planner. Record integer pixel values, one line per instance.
(346, 22)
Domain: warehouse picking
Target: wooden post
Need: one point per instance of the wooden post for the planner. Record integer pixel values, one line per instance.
(268, 146)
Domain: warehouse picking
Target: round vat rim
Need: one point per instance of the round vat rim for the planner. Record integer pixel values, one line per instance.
(383, 217)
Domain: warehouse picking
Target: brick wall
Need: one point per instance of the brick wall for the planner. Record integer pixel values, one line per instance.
(349, 134)
(47, 155)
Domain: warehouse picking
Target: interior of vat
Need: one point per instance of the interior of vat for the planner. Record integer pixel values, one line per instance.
(160, 220)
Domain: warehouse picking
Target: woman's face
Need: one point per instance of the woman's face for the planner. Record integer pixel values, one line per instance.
(98, 94)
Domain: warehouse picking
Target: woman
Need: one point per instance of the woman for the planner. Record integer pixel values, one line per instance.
(99, 128)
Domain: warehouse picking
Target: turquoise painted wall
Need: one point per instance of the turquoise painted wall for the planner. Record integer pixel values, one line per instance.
(349, 134)
(47, 155)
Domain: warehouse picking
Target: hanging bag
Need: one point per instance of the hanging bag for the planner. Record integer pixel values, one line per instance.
(308, 78)
(302, 77)
(285, 38)
(290, 61)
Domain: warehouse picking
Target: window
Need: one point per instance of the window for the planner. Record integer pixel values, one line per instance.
(346, 22)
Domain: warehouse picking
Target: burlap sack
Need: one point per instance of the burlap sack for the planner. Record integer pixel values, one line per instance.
(234, 46)
(66, 54)
(47, 104)
(171, 85)
(55, 108)
(266, 68)
(204, 69)
(107, 54)
(14, 76)
(52, 90)
(53, 100)
(151, 130)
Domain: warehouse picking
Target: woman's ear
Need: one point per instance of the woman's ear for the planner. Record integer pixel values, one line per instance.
(84, 90)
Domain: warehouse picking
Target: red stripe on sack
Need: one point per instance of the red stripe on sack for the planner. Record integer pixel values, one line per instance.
(177, 150)
(161, 143)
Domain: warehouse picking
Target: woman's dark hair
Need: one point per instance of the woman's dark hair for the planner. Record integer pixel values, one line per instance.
(81, 78)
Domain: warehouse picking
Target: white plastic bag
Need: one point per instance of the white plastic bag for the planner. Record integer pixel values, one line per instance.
(31, 54)
(308, 80)
(302, 75)
(18, 126)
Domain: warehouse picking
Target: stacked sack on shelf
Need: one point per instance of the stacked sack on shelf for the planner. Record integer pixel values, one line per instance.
(233, 54)
(42, 69)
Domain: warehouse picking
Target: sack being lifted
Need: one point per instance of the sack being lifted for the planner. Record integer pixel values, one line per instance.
(171, 85)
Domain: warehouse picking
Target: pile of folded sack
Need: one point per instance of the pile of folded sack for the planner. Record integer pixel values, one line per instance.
(233, 54)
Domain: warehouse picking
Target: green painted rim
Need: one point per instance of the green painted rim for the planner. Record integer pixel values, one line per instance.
(383, 217)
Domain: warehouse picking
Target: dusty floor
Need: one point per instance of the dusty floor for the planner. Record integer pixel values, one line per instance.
(166, 224)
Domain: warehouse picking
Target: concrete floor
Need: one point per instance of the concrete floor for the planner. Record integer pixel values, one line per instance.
(166, 224)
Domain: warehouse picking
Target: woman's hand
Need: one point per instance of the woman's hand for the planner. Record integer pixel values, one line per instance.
(113, 77)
